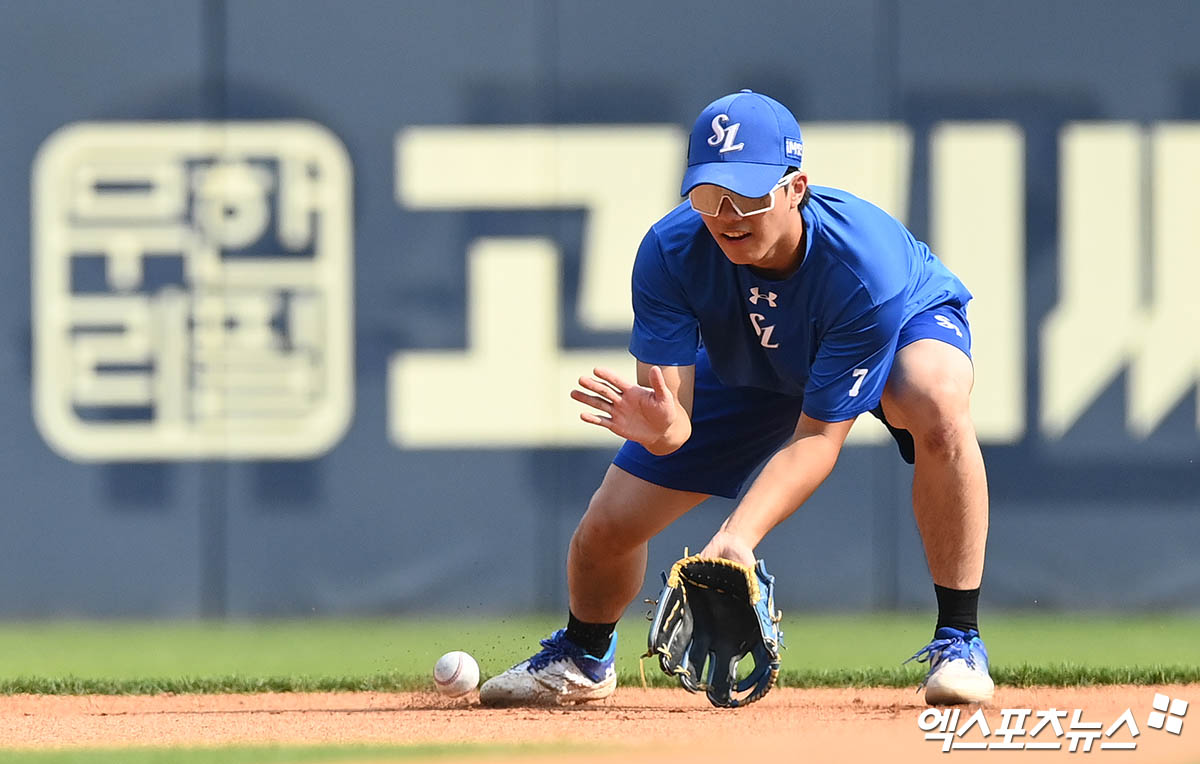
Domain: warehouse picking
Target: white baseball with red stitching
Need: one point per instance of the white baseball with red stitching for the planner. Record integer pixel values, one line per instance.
(456, 673)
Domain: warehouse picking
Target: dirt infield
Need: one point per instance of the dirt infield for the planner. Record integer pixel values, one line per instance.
(633, 725)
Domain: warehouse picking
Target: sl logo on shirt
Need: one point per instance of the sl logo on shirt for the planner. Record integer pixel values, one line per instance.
(763, 332)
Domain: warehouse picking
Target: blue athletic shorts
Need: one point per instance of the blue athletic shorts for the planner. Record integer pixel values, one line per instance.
(734, 429)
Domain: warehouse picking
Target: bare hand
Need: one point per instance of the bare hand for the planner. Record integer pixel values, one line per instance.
(729, 547)
(642, 414)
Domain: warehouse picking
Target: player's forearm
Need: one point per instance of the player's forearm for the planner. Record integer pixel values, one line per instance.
(676, 435)
(786, 482)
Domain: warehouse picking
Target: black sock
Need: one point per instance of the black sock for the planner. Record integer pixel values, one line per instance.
(592, 637)
(958, 608)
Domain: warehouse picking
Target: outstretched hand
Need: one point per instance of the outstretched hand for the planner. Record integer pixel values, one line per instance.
(642, 414)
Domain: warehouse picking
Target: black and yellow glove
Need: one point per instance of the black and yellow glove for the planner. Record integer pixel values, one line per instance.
(715, 612)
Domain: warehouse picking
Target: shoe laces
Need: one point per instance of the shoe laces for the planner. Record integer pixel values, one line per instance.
(940, 650)
(556, 647)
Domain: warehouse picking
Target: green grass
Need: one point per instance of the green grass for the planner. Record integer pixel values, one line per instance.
(1022, 675)
(277, 754)
(268, 648)
(822, 650)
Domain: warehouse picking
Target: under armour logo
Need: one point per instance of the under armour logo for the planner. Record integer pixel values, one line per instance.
(755, 296)
(726, 134)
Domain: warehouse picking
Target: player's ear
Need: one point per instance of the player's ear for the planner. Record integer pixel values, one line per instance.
(798, 187)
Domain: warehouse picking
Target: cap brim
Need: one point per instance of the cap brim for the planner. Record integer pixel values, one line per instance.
(745, 178)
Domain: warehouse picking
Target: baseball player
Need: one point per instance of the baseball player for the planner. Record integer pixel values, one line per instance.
(768, 315)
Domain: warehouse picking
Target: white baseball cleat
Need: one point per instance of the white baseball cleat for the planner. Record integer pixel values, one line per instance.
(958, 668)
(562, 673)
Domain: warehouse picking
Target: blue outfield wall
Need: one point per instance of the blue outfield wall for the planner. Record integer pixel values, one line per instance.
(293, 294)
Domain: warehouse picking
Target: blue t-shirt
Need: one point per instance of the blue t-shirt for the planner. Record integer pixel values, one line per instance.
(827, 332)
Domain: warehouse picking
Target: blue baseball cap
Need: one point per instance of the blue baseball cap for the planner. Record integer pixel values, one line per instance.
(744, 142)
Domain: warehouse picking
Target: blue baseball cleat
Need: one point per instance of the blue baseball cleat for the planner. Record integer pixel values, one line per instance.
(958, 668)
(561, 673)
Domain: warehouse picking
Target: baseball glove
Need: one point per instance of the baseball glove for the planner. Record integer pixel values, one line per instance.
(715, 612)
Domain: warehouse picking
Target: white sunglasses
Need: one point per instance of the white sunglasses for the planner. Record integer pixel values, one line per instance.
(706, 199)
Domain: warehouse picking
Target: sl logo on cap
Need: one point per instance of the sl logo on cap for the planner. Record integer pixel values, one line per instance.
(726, 134)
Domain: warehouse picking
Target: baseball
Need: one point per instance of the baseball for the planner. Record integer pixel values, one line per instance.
(456, 673)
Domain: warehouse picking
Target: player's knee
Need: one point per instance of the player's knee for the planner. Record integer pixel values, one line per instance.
(601, 531)
(944, 438)
(938, 416)
(594, 540)
(945, 428)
